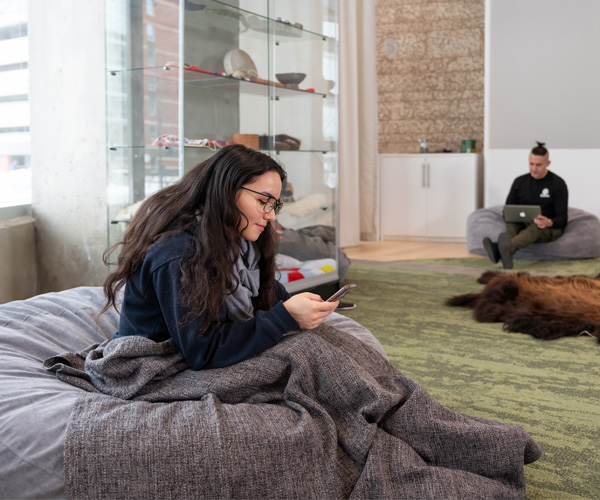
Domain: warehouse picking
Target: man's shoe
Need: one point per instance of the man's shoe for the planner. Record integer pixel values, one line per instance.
(345, 306)
(504, 249)
(492, 249)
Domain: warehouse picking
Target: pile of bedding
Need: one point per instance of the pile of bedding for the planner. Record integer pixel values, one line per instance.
(320, 415)
(290, 269)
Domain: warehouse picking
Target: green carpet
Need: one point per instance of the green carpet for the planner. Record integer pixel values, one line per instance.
(551, 388)
(588, 266)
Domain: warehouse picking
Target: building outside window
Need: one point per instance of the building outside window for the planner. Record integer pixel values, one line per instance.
(15, 171)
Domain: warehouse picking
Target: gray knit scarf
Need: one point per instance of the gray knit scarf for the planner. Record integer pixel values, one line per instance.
(239, 302)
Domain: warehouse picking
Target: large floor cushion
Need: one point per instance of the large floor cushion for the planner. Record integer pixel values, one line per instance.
(581, 239)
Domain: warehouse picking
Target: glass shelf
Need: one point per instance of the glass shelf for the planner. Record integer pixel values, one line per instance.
(257, 87)
(166, 81)
(214, 14)
(203, 148)
(219, 80)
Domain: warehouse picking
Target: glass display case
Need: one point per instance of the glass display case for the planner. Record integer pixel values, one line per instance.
(185, 78)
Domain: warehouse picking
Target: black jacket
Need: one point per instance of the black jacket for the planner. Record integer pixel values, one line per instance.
(550, 193)
(151, 308)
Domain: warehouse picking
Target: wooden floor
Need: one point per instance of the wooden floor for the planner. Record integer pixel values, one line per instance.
(386, 251)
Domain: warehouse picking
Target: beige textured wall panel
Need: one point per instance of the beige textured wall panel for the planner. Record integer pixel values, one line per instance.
(452, 43)
(430, 73)
(406, 46)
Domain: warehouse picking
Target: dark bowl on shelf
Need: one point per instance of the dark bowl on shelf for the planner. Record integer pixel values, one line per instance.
(290, 79)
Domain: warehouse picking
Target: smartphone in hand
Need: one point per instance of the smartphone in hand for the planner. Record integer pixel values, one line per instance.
(342, 292)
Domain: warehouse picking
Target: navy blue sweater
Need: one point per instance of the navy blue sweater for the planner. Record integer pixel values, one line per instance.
(151, 308)
(550, 193)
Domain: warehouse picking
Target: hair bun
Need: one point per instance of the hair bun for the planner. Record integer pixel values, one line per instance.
(540, 144)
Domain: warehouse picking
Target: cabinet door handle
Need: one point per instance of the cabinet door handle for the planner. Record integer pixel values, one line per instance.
(428, 175)
(425, 179)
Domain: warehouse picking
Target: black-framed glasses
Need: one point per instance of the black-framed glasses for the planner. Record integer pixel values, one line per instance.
(268, 206)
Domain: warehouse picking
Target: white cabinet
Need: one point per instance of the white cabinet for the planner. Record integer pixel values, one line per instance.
(428, 196)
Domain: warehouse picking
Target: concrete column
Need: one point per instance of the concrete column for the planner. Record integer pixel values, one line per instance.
(68, 141)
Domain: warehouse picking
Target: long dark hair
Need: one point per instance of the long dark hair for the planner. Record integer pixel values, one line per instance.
(203, 203)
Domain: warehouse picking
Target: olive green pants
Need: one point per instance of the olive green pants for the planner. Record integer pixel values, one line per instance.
(523, 235)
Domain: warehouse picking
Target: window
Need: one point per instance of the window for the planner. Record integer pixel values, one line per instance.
(15, 171)
(150, 7)
(150, 47)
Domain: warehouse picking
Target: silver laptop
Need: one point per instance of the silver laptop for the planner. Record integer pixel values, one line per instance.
(521, 213)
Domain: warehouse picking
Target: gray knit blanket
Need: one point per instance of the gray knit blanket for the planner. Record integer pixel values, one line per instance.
(319, 416)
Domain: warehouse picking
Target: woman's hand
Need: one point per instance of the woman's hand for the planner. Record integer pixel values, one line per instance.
(309, 309)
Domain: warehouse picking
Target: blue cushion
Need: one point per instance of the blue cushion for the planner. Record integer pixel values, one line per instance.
(581, 239)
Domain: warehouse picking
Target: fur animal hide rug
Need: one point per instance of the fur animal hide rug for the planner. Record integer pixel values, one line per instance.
(542, 306)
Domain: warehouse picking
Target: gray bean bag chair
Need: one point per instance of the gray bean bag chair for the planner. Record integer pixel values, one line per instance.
(581, 239)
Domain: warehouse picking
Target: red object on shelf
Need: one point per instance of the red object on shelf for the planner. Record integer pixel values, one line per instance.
(293, 274)
(190, 69)
(196, 68)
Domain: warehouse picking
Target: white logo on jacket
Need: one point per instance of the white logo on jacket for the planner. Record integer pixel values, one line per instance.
(545, 193)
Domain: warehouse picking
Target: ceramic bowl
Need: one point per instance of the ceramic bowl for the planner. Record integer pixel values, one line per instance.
(290, 79)
(239, 60)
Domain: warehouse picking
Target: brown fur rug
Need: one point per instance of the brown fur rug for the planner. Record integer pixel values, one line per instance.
(542, 306)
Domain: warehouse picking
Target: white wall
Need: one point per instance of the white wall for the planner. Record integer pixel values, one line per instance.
(542, 74)
(68, 129)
